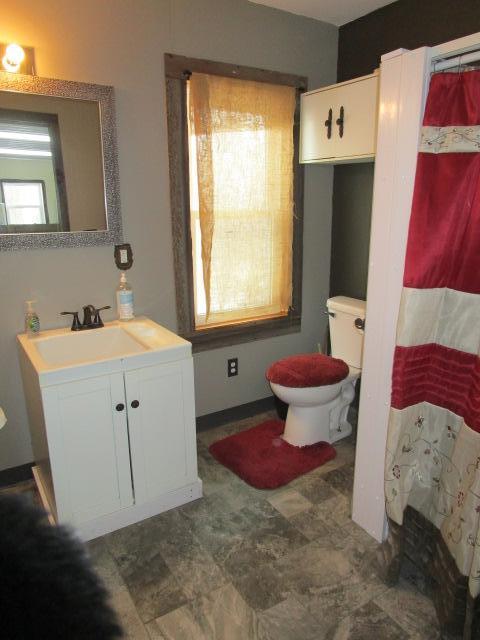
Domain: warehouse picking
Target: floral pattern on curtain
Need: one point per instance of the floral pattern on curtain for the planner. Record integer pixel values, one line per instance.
(433, 448)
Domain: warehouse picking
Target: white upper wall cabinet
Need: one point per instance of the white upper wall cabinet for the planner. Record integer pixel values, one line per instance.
(338, 123)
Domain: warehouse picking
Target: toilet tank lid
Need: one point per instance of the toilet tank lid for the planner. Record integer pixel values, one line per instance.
(347, 305)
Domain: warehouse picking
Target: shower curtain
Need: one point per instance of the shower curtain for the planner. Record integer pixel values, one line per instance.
(432, 467)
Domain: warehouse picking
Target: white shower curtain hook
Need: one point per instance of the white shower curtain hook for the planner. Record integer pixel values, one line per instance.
(459, 63)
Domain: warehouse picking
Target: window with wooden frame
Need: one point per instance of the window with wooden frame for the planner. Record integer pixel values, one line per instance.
(237, 197)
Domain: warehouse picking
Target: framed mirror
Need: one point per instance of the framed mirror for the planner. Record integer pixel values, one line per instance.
(58, 164)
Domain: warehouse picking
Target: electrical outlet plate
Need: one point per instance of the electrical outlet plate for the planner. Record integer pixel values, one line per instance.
(232, 367)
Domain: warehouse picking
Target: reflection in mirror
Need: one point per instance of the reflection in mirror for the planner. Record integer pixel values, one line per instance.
(51, 170)
(32, 185)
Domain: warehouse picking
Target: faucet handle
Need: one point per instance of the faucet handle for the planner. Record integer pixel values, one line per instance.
(97, 321)
(76, 326)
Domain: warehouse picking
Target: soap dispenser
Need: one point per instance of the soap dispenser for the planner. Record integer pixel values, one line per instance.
(124, 299)
(32, 321)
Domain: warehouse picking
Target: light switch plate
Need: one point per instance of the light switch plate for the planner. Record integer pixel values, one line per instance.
(123, 256)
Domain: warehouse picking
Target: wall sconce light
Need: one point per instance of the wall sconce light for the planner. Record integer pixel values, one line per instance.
(17, 59)
(13, 58)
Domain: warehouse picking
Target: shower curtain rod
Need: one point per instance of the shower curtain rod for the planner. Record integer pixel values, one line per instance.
(441, 64)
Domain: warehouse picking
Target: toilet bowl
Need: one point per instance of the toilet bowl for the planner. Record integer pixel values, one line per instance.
(319, 389)
(317, 414)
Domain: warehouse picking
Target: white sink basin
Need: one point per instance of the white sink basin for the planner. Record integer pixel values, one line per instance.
(61, 354)
(86, 346)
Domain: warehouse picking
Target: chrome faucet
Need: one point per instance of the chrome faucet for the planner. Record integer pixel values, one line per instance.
(91, 318)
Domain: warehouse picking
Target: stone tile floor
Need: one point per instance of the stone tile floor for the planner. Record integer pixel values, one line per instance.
(247, 564)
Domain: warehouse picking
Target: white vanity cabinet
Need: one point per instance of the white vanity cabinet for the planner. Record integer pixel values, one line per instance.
(338, 123)
(114, 440)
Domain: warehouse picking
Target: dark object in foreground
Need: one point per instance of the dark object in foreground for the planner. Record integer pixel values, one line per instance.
(48, 588)
(263, 459)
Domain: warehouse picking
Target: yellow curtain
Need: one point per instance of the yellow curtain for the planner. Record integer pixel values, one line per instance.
(241, 198)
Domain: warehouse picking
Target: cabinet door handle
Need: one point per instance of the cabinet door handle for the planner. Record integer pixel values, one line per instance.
(359, 323)
(134, 404)
(120, 407)
(328, 124)
(340, 121)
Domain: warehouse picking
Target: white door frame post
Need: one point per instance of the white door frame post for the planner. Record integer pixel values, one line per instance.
(401, 105)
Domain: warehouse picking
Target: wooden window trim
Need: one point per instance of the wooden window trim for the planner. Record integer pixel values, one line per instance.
(177, 71)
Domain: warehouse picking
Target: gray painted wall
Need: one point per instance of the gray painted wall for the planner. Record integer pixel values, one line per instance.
(122, 44)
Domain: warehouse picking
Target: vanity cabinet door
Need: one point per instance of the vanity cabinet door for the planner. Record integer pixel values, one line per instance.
(161, 419)
(88, 443)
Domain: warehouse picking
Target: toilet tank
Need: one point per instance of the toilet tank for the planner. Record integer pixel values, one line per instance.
(345, 337)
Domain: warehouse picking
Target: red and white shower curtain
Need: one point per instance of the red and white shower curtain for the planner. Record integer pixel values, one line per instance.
(433, 447)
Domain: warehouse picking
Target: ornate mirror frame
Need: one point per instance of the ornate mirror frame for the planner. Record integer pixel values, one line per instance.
(104, 96)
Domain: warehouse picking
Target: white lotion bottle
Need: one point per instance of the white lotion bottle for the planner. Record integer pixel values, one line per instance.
(124, 299)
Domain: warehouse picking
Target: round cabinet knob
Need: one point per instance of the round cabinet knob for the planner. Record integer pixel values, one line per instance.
(134, 404)
(359, 323)
(120, 407)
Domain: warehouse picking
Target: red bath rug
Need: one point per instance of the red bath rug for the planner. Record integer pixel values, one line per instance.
(263, 459)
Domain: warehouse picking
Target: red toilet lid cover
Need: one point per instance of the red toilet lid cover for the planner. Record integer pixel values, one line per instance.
(307, 370)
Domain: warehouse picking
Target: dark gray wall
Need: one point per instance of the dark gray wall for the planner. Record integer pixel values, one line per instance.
(408, 24)
(352, 207)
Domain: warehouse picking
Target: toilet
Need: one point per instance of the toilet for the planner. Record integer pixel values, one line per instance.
(318, 388)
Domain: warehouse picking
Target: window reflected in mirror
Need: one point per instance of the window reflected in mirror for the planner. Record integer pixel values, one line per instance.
(23, 202)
